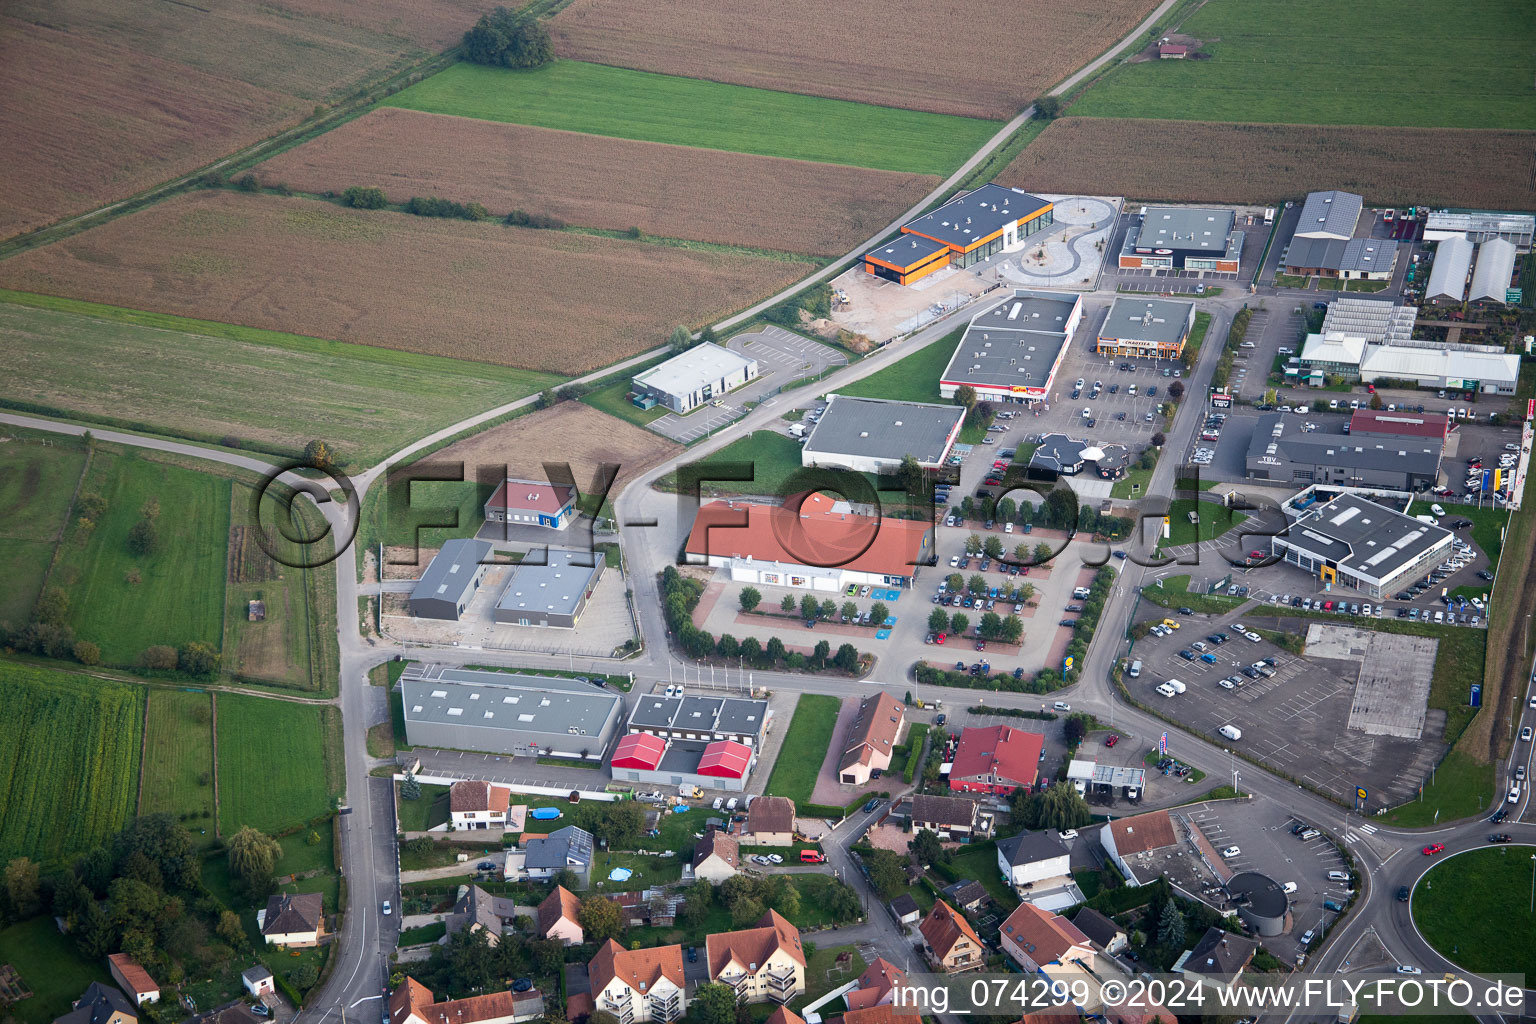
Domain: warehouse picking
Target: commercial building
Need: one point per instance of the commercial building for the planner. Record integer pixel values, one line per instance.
(553, 592)
(761, 964)
(872, 735)
(1031, 857)
(1479, 227)
(1354, 543)
(1183, 238)
(874, 435)
(693, 378)
(531, 503)
(1146, 328)
(1425, 364)
(1330, 214)
(1448, 274)
(961, 233)
(823, 545)
(738, 719)
(508, 713)
(1282, 452)
(1355, 259)
(1430, 426)
(1261, 902)
(716, 764)
(1494, 272)
(1011, 352)
(1376, 321)
(451, 579)
(998, 759)
(1058, 454)
(1133, 844)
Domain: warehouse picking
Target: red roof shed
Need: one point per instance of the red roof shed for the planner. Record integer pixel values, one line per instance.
(727, 759)
(639, 750)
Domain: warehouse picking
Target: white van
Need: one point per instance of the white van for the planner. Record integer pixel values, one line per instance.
(1231, 732)
(1166, 690)
(1175, 686)
(1431, 520)
(1135, 669)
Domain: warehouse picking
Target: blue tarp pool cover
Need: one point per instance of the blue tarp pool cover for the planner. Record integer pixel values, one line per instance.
(545, 813)
(620, 874)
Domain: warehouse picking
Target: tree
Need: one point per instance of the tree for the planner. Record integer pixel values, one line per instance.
(938, 621)
(842, 902)
(878, 613)
(1007, 509)
(786, 900)
(959, 623)
(1048, 108)
(624, 822)
(886, 873)
(847, 658)
(681, 339)
(809, 607)
(965, 395)
(143, 538)
(197, 658)
(1159, 439)
(850, 611)
(1170, 927)
(698, 903)
(22, 882)
(747, 911)
(991, 625)
(303, 976)
(751, 649)
(788, 604)
(600, 918)
(910, 475)
(973, 544)
(94, 935)
(320, 454)
(410, 789)
(954, 583)
(1042, 553)
(822, 652)
(751, 597)
(774, 650)
(713, 1003)
(1021, 553)
(364, 197)
(993, 547)
(1375, 401)
(253, 857)
(230, 929)
(87, 653)
(977, 584)
(52, 606)
(1074, 729)
(737, 888)
(506, 39)
(1013, 629)
(1059, 807)
(828, 609)
(727, 646)
(1176, 390)
(927, 848)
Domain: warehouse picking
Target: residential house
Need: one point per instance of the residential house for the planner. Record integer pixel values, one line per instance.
(1101, 931)
(559, 917)
(953, 945)
(258, 981)
(952, 817)
(883, 1013)
(771, 821)
(1031, 857)
(784, 1015)
(230, 1013)
(967, 894)
(905, 909)
(874, 732)
(292, 919)
(569, 848)
(479, 911)
(638, 984)
(413, 1003)
(101, 1004)
(759, 964)
(877, 985)
(998, 760)
(1132, 843)
(133, 979)
(716, 857)
(1218, 959)
(1036, 939)
(478, 805)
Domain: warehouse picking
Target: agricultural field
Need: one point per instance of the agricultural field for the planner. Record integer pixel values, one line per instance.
(105, 99)
(126, 602)
(71, 774)
(178, 742)
(277, 766)
(672, 191)
(1201, 161)
(219, 382)
(603, 100)
(988, 60)
(542, 300)
(1465, 65)
(36, 484)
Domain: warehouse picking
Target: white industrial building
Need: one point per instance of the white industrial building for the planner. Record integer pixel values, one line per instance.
(1329, 214)
(1516, 228)
(1495, 269)
(1011, 352)
(873, 435)
(1376, 321)
(1349, 541)
(693, 378)
(1448, 275)
(1429, 364)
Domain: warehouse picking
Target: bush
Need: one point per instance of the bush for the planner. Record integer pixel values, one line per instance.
(247, 183)
(87, 653)
(159, 657)
(363, 197)
(524, 219)
(435, 206)
(143, 538)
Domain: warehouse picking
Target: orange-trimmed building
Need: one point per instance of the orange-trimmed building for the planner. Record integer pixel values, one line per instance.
(962, 232)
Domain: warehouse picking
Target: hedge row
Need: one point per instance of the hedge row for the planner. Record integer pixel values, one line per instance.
(1042, 716)
(915, 755)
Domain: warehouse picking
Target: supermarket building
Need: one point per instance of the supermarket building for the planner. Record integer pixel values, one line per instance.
(961, 233)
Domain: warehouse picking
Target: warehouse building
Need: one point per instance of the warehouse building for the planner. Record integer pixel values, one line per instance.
(1329, 214)
(551, 593)
(873, 435)
(1448, 274)
(1355, 543)
(1357, 259)
(451, 580)
(508, 713)
(1479, 227)
(1494, 272)
(715, 764)
(1282, 452)
(694, 378)
(1377, 321)
(1011, 352)
(1428, 364)
(741, 720)
(1146, 328)
(1183, 238)
(963, 232)
(821, 545)
(531, 503)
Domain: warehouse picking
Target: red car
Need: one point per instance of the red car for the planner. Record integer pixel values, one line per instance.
(1431, 850)
(1111, 740)
(939, 639)
(1257, 554)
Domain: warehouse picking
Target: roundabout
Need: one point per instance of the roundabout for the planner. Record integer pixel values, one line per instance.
(1475, 908)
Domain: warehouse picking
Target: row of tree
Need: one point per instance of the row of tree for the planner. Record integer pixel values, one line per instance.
(679, 595)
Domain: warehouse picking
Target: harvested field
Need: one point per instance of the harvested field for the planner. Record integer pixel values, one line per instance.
(986, 59)
(106, 98)
(1251, 163)
(671, 191)
(514, 296)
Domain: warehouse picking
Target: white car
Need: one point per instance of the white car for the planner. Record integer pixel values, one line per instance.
(1511, 447)
(388, 909)
(1238, 627)
(1289, 887)
(1070, 833)
(1254, 637)
(1231, 851)
(1225, 684)
(1062, 705)
(1525, 734)
(774, 858)
(1408, 969)
(1437, 510)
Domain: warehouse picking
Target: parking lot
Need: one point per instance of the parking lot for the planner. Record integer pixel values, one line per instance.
(1295, 719)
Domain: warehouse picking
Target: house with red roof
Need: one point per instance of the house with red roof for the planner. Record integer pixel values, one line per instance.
(413, 1003)
(953, 945)
(475, 804)
(998, 759)
(520, 502)
(876, 986)
(1036, 939)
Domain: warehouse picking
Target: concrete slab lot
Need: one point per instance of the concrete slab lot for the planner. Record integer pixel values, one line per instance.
(1315, 719)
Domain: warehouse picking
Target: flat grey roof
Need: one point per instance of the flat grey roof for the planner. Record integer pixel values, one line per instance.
(878, 428)
(1363, 536)
(687, 371)
(1280, 437)
(691, 713)
(654, 712)
(1186, 230)
(452, 570)
(742, 716)
(1154, 320)
(504, 700)
(1014, 344)
(1330, 213)
(1357, 255)
(1060, 450)
(907, 250)
(556, 586)
(966, 220)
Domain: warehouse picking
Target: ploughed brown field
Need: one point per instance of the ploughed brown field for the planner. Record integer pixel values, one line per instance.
(1198, 161)
(985, 58)
(672, 191)
(544, 300)
(104, 98)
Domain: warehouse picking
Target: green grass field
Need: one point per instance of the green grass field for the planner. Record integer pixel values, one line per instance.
(430, 810)
(613, 399)
(1467, 65)
(274, 763)
(178, 742)
(180, 593)
(1473, 908)
(601, 100)
(1214, 521)
(50, 966)
(69, 776)
(912, 378)
(206, 380)
(805, 745)
(775, 459)
(36, 483)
